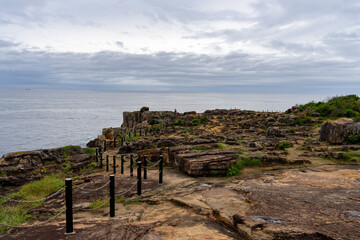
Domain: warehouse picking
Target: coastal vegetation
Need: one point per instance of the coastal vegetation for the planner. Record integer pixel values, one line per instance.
(339, 106)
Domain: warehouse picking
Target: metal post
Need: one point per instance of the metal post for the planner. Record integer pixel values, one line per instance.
(131, 165)
(107, 163)
(112, 195)
(122, 164)
(101, 161)
(140, 132)
(145, 169)
(138, 177)
(69, 206)
(114, 164)
(97, 155)
(161, 169)
(105, 145)
(129, 134)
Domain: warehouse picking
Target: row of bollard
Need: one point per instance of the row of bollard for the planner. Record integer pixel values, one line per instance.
(139, 163)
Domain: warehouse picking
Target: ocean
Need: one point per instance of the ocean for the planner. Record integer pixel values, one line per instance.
(38, 119)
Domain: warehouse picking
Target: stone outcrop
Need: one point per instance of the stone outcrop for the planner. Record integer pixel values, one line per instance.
(140, 119)
(338, 130)
(206, 162)
(21, 167)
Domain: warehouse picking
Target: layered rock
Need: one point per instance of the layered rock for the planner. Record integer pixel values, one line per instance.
(21, 167)
(206, 162)
(338, 130)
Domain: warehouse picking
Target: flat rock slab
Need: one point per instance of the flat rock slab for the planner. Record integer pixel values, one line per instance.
(205, 163)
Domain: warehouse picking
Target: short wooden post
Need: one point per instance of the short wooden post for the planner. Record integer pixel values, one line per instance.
(69, 206)
(114, 164)
(112, 195)
(122, 164)
(145, 165)
(161, 169)
(138, 177)
(107, 163)
(131, 165)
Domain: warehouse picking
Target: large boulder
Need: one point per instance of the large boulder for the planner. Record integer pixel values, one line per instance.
(338, 130)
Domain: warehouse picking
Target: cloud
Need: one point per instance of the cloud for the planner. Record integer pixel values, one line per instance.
(202, 45)
(173, 71)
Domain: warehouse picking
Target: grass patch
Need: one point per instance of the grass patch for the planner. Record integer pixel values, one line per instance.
(91, 151)
(195, 122)
(353, 139)
(241, 162)
(348, 156)
(221, 145)
(17, 214)
(178, 123)
(284, 145)
(203, 120)
(339, 106)
(99, 202)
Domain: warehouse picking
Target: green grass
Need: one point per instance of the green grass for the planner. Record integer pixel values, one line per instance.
(221, 145)
(178, 123)
(353, 139)
(284, 145)
(90, 151)
(339, 106)
(195, 122)
(348, 156)
(204, 120)
(241, 162)
(17, 214)
(98, 202)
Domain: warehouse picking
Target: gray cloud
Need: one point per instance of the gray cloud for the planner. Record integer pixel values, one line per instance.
(302, 46)
(170, 71)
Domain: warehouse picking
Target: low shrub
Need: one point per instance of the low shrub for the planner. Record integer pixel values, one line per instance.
(178, 123)
(353, 139)
(284, 145)
(195, 122)
(203, 120)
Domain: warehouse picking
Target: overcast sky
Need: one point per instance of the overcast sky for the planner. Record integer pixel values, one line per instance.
(294, 46)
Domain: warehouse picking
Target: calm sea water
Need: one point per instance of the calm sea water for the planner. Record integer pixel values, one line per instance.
(35, 119)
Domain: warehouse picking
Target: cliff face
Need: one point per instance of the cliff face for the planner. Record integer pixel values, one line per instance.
(140, 119)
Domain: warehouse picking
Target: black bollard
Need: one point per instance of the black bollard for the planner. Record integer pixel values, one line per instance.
(138, 177)
(129, 134)
(105, 145)
(114, 164)
(122, 164)
(97, 155)
(145, 169)
(101, 161)
(112, 195)
(114, 142)
(131, 165)
(69, 206)
(107, 163)
(161, 169)
(140, 132)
